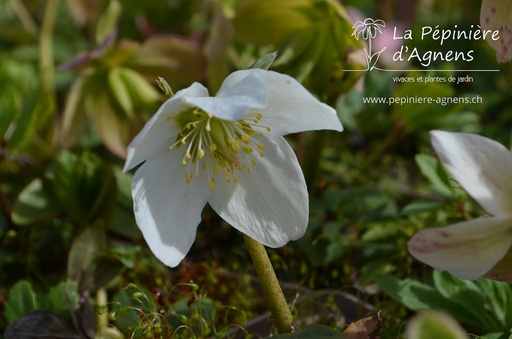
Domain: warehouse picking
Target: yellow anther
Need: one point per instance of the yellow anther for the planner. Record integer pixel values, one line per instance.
(261, 146)
(262, 154)
(212, 185)
(183, 162)
(246, 137)
(249, 169)
(213, 147)
(235, 145)
(197, 175)
(235, 179)
(247, 149)
(200, 153)
(188, 155)
(268, 129)
(254, 162)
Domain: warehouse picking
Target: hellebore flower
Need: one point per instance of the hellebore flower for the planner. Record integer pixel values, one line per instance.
(470, 249)
(229, 151)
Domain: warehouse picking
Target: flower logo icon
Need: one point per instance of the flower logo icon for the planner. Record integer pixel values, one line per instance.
(368, 29)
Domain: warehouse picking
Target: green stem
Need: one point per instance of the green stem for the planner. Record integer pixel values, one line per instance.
(271, 289)
(46, 63)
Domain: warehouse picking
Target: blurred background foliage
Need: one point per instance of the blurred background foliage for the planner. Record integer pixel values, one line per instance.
(77, 83)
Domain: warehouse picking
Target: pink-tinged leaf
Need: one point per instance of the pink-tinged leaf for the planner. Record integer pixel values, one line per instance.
(495, 15)
(81, 60)
(178, 60)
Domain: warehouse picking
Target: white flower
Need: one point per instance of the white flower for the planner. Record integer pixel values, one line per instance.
(483, 168)
(229, 151)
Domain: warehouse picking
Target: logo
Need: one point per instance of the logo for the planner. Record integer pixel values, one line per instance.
(367, 30)
(404, 51)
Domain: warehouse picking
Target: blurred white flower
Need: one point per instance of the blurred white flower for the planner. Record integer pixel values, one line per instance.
(229, 151)
(470, 249)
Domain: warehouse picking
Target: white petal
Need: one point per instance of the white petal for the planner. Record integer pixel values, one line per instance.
(240, 92)
(468, 249)
(480, 165)
(291, 108)
(161, 128)
(167, 209)
(271, 203)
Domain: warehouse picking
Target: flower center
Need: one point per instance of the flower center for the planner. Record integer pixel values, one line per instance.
(213, 145)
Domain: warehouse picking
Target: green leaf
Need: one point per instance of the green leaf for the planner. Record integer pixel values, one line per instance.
(422, 116)
(466, 294)
(499, 296)
(421, 206)
(36, 202)
(37, 107)
(7, 109)
(265, 22)
(103, 269)
(434, 171)
(128, 304)
(20, 300)
(265, 61)
(84, 250)
(63, 299)
(313, 332)
(417, 296)
(107, 22)
(85, 186)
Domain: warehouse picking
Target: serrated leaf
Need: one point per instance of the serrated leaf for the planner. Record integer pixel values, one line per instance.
(62, 299)
(21, 300)
(85, 186)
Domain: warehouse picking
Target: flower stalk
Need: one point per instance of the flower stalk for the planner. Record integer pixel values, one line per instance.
(274, 296)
